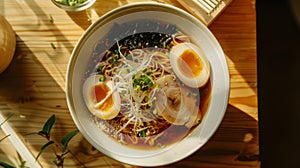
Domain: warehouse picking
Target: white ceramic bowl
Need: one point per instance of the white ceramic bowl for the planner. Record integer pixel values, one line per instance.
(199, 33)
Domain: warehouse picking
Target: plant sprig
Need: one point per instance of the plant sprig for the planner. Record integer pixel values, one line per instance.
(62, 146)
(6, 165)
(46, 133)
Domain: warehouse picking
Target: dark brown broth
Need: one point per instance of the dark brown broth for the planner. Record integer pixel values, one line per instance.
(107, 47)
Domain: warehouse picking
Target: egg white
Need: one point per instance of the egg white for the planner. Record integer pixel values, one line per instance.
(196, 81)
(91, 104)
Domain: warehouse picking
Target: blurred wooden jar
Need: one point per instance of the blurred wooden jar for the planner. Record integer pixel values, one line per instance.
(7, 43)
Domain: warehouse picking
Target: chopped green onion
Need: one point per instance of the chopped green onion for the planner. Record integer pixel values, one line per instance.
(124, 91)
(195, 95)
(71, 2)
(142, 82)
(102, 78)
(52, 45)
(115, 60)
(148, 81)
(142, 133)
(99, 69)
(51, 18)
(149, 73)
(154, 111)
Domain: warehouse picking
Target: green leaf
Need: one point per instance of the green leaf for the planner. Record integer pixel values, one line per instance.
(4, 137)
(32, 133)
(102, 78)
(44, 147)
(23, 164)
(142, 133)
(6, 165)
(6, 119)
(52, 45)
(55, 162)
(66, 139)
(47, 126)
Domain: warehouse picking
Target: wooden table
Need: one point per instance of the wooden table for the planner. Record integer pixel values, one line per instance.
(33, 87)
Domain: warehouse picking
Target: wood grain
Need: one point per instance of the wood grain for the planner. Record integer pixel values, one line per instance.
(33, 86)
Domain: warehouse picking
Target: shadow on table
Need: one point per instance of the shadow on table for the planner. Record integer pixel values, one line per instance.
(235, 144)
(100, 8)
(85, 18)
(29, 91)
(34, 97)
(83, 21)
(238, 23)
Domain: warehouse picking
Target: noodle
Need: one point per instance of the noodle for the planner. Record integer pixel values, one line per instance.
(150, 64)
(135, 64)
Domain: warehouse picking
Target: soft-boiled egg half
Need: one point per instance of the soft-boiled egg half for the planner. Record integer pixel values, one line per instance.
(101, 98)
(190, 64)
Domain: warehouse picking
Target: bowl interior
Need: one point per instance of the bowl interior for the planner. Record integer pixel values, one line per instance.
(200, 35)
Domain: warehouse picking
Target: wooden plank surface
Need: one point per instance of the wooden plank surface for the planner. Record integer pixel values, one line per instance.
(33, 87)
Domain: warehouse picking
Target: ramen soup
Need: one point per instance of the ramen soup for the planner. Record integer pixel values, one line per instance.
(147, 85)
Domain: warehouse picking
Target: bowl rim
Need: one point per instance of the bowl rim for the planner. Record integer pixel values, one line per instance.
(75, 8)
(108, 16)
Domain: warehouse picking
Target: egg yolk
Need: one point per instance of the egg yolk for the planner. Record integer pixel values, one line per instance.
(190, 63)
(99, 92)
